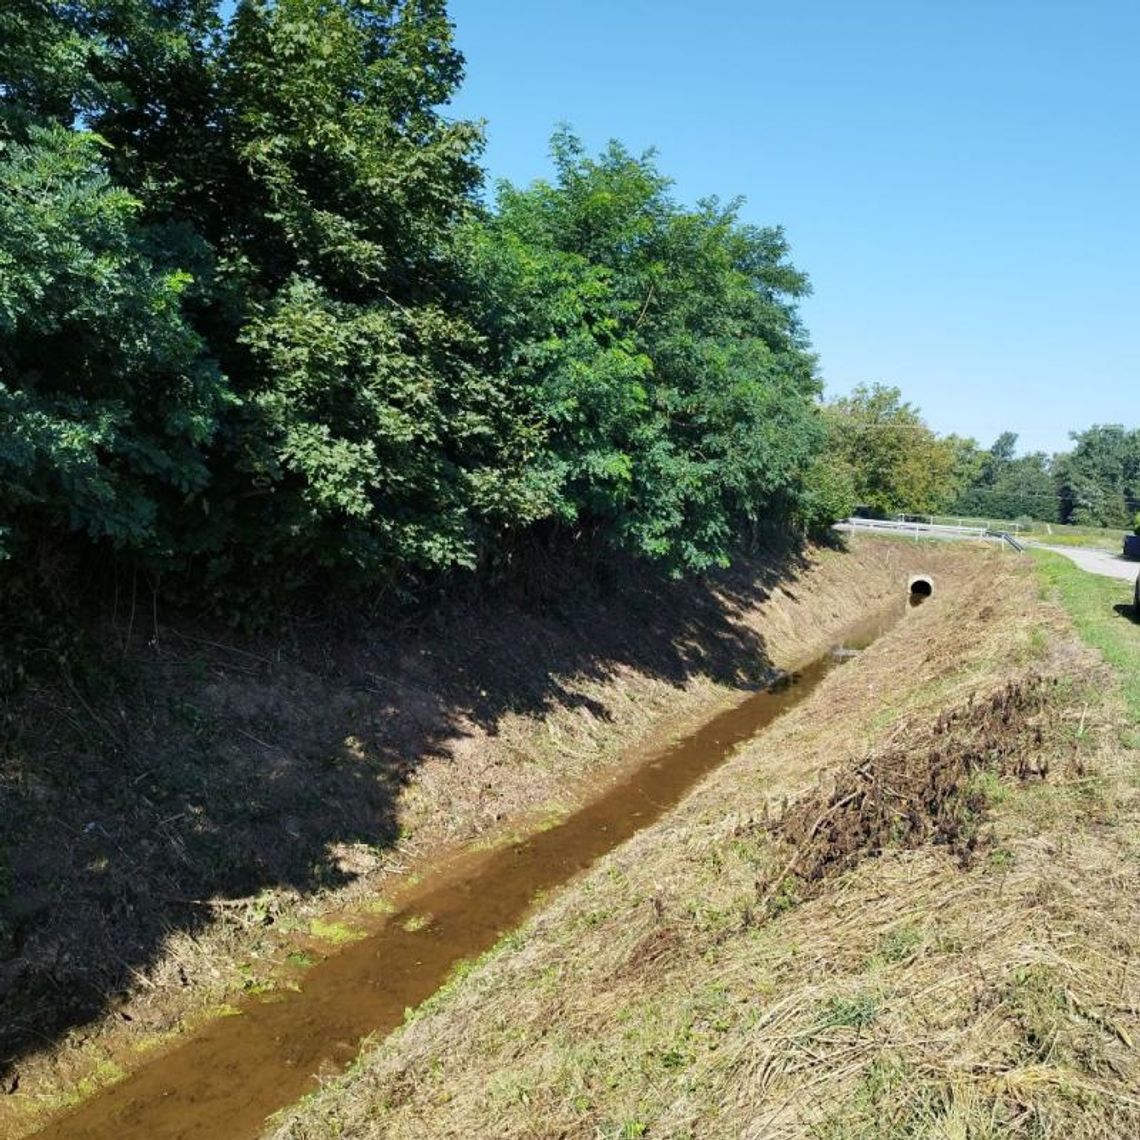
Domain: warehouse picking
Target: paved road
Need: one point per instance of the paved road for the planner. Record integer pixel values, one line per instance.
(1104, 562)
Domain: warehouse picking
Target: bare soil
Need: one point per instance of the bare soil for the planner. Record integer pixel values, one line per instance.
(198, 816)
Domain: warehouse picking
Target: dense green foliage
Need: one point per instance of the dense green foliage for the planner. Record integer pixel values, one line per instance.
(257, 327)
(882, 457)
(107, 399)
(1007, 486)
(1098, 482)
(893, 462)
(660, 352)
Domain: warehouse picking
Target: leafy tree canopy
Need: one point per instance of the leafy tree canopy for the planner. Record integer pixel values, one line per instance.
(897, 464)
(1006, 486)
(108, 397)
(661, 352)
(1098, 482)
(257, 328)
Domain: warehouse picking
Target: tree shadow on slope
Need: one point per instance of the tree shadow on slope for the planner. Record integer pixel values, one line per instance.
(187, 770)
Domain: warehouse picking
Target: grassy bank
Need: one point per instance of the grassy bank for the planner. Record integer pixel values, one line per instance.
(908, 910)
(199, 817)
(1101, 610)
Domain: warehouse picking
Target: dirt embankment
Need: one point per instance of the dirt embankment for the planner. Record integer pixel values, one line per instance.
(198, 818)
(908, 910)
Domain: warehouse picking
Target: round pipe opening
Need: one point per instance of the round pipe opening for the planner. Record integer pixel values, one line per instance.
(920, 587)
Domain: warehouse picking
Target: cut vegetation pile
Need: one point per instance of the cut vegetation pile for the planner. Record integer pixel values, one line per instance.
(909, 909)
(917, 791)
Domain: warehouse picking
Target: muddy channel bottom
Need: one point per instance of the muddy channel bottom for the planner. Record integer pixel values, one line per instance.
(225, 1080)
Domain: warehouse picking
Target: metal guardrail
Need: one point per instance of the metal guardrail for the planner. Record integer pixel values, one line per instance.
(900, 527)
(1005, 536)
(928, 530)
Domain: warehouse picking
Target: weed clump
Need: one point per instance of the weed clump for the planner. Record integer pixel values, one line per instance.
(935, 791)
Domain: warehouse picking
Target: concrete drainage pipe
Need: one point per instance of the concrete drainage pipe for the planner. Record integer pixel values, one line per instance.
(919, 588)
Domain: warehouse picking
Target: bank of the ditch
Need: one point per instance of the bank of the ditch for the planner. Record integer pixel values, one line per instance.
(911, 910)
(207, 817)
(1102, 610)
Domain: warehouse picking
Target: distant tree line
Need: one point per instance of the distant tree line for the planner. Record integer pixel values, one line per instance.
(259, 329)
(884, 457)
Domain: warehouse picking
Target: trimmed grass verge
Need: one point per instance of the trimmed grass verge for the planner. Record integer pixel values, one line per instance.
(1057, 534)
(1101, 609)
(1108, 540)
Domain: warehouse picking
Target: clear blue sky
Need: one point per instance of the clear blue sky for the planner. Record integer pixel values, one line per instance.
(961, 180)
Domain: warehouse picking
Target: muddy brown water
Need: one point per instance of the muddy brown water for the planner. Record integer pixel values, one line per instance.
(226, 1079)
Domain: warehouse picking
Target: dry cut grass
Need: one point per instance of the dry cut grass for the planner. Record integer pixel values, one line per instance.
(909, 909)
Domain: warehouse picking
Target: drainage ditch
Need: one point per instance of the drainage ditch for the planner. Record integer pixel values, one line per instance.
(222, 1082)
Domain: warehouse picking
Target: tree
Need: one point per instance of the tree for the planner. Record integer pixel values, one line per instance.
(260, 331)
(367, 416)
(660, 350)
(1006, 486)
(1003, 451)
(898, 464)
(828, 495)
(108, 398)
(1098, 482)
(304, 143)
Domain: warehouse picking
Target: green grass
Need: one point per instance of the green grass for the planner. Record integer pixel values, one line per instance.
(897, 946)
(984, 520)
(856, 1012)
(1101, 609)
(1057, 534)
(1101, 540)
(1064, 530)
(335, 932)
